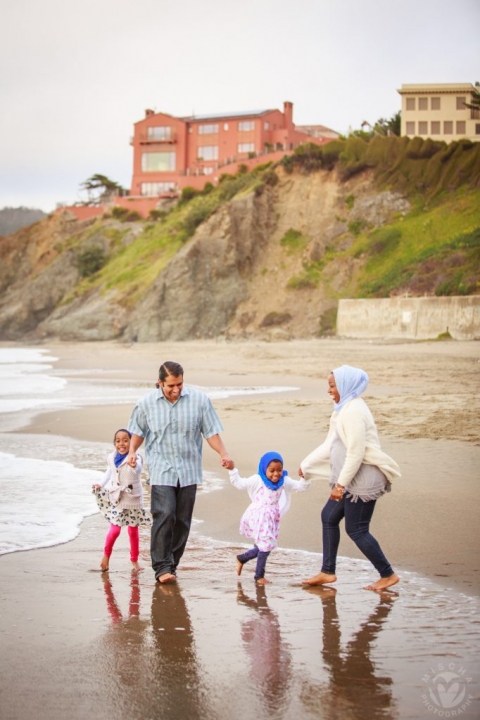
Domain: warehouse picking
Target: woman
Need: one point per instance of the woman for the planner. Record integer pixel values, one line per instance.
(359, 473)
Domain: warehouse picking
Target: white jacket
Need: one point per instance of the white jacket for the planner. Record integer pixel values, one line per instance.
(255, 483)
(357, 430)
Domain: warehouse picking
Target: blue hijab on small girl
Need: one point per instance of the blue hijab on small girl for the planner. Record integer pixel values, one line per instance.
(265, 461)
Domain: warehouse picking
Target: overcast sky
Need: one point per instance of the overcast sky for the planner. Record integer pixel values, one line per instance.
(76, 74)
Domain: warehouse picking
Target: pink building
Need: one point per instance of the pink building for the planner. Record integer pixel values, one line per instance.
(170, 153)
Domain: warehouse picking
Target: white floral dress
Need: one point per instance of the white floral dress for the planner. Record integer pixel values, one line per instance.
(261, 520)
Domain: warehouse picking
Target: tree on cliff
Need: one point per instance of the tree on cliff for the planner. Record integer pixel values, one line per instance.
(474, 103)
(100, 189)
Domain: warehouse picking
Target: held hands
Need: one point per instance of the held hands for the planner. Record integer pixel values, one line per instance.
(96, 488)
(227, 463)
(132, 459)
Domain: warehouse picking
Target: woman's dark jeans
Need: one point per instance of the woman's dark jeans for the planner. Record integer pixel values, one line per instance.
(357, 523)
(172, 510)
(261, 560)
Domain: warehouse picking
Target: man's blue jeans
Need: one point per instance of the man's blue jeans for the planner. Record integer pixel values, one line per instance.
(357, 525)
(172, 510)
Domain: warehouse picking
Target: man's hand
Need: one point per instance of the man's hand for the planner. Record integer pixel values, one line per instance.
(228, 463)
(132, 459)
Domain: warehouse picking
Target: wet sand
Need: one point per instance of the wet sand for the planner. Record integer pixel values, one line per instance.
(79, 643)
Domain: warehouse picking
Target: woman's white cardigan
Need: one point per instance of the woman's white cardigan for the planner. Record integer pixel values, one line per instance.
(357, 430)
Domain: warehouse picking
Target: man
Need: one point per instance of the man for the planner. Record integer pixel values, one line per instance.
(173, 420)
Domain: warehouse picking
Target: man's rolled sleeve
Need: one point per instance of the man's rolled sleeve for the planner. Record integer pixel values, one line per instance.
(137, 424)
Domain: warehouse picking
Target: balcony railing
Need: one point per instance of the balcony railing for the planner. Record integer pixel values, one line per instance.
(146, 139)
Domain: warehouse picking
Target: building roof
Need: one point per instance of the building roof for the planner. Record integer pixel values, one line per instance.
(436, 88)
(225, 115)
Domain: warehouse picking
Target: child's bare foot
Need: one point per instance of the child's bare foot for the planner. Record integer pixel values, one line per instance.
(166, 578)
(104, 563)
(239, 567)
(320, 579)
(263, 581)
(136, 567)
(384, 583)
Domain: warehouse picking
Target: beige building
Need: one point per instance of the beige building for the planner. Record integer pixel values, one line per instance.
(438, 111)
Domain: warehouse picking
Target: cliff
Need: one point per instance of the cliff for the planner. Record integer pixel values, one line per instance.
(264, 255)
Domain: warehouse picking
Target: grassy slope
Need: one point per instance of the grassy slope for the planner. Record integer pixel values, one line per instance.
(435, 249)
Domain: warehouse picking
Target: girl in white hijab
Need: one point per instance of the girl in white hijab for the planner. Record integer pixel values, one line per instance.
(359, 473)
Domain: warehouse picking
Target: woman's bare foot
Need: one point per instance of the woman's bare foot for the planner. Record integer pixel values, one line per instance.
(166, 578)
(263, 581)
(136, 566)
(384, 583)
(320, 579)
(104, 563)
(239, 567)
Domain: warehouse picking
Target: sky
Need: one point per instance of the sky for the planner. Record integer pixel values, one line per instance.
(77, 74)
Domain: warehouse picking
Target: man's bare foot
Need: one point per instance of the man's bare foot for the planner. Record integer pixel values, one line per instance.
(166, 578)
(263, 581)
(239, 567)
(320, 579)
(104, 563)
(384, 583)
(136, 567)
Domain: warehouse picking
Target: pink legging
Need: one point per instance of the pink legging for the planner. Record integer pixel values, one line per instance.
(134, 538)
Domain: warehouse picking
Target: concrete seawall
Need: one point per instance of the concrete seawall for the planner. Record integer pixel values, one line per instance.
(410, 318)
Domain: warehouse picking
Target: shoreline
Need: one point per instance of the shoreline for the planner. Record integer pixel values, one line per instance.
(424, 530)
(79, 643)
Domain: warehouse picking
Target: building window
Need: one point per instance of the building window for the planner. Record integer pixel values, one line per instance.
(246, 147)
(461, 127)
(225, 126)
(155, 189)
(423, 103)
(159, 132)
(410, 104)
(461, 103)
(423, 128)
(435, 125)
(266, 126)
(448, 127)
(435, 103)
(246, 125)
(207, 171)
(207, 129)
(207, 152)
(158, 162)
(410, 128)
(477, 128)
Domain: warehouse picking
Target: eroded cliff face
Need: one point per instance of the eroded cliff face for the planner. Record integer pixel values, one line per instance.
(231, 278)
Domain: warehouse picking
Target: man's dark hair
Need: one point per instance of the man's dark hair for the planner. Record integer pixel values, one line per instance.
(169, 368)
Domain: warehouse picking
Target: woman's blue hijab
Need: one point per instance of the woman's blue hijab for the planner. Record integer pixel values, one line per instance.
(351, 382)
(265, 461)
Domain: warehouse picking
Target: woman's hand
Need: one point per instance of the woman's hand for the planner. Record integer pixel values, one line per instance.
(337, 493)
(300, 472)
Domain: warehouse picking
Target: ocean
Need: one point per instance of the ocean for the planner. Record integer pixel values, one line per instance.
(45, 481)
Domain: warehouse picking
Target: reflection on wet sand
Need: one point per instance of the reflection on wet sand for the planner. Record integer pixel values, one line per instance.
(355, 688)
(176, 688)
(270, 659)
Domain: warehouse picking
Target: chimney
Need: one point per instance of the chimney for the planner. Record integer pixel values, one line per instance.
(288, 114)
(149, 113)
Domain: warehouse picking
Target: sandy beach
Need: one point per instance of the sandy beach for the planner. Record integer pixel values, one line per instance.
(77, 643)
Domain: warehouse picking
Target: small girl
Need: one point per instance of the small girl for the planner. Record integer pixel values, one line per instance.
(120, 499)
(269, 491)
